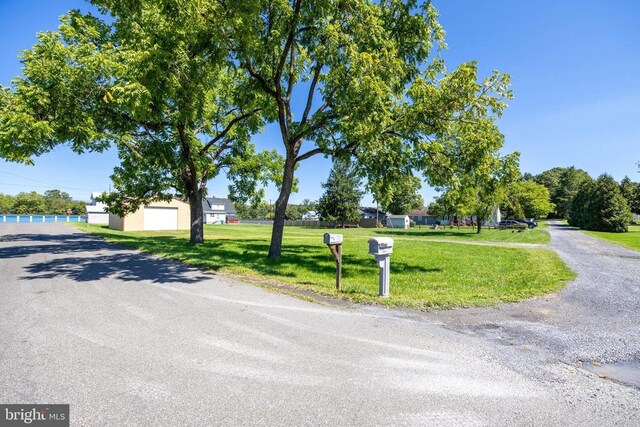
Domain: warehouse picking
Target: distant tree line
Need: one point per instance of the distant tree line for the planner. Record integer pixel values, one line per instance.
(52, 202)
(558, 193)
(264, 210)
(600, 205)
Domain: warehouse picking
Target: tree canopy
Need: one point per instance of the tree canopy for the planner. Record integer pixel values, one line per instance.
(157, 83)
(180, 86)
(563, 184)
(402, 196)
(374, 85)
(526, 199)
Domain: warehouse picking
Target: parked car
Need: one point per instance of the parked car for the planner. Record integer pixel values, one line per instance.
(530, 223)
(511, 224)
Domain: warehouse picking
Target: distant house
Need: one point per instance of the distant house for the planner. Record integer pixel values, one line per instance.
(398, 221)
(96, 213)
(372, 213)
(494, 218)
(218, 211)
(311, 216)
(173, 215)
(421, 217)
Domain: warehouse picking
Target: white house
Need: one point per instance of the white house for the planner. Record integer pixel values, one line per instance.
(217, 211)
(96, 213)
(398, 221)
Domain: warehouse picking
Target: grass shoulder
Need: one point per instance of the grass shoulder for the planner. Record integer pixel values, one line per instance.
(630, 240)
(423, 273)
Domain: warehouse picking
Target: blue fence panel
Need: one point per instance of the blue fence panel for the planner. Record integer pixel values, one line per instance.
(42, 218)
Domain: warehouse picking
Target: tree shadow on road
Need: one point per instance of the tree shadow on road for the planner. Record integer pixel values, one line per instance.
(82, 257)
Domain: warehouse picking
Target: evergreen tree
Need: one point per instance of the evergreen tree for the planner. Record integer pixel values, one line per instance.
(342, 195)
(579, 212)
(631, 192)
(600, 206)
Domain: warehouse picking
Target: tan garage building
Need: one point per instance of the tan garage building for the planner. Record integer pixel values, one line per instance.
(173, 215)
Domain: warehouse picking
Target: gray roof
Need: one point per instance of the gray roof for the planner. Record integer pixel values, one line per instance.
(208, 202)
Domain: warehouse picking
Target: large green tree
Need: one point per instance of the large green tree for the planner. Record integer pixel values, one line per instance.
(465, 161)
(156, 81)
(29, 203)
(526, 199)
(563, 184)
(600, 206)
(480, 190)
(372, 82)
(341, 199)
(57, 202)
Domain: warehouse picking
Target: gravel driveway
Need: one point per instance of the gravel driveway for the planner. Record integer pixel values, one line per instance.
(127, 338)
(596, 318)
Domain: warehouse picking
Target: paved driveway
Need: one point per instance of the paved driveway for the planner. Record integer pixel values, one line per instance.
(130, 339)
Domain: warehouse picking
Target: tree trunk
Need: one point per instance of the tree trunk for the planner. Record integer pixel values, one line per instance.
(479, 225)
(275, 249)
(197, 231)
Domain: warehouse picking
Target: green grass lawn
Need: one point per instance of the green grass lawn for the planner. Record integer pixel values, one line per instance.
(423, 273)
(630, 240)
(463, 233)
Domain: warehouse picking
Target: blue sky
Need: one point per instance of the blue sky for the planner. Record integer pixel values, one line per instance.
(574, 67)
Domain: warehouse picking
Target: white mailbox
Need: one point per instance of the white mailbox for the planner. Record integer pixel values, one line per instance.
(332, 239)
(334, 242)
(380, 245)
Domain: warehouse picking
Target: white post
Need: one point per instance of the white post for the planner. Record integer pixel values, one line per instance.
(384, 265)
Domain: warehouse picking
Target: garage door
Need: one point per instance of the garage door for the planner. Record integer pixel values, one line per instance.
(160, 219)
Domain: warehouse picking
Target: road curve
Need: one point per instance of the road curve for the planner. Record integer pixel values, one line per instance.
(127, 338)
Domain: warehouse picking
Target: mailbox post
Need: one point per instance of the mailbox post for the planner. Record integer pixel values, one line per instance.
(382, 248)
(334, 241)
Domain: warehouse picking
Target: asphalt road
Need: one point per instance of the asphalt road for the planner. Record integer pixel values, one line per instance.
(130, 339)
